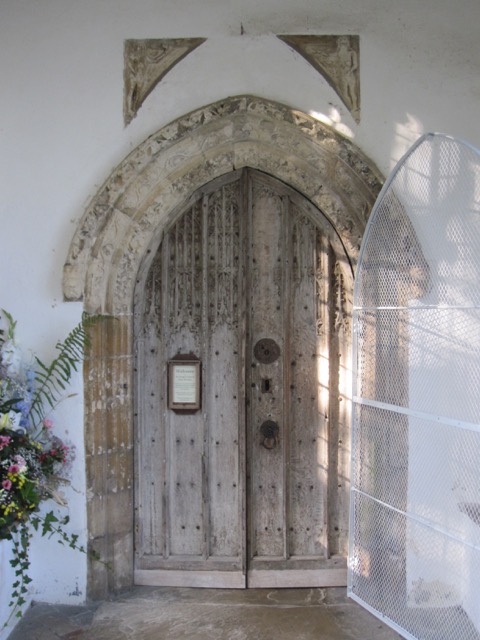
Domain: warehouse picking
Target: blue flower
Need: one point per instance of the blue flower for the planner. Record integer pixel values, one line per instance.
(23, 406)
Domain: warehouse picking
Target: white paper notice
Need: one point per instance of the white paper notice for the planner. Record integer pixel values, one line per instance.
(184, 384)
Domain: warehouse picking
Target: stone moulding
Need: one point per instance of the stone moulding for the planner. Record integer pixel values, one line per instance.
(337, 59)
(132, 207)
(146, 62)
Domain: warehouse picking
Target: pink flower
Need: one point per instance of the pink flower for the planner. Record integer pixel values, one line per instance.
(4, 441)
(13, 469)
(7, 485)
(48, 424)
(22, 464)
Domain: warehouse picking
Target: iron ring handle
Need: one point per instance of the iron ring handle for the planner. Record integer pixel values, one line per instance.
(270, 432)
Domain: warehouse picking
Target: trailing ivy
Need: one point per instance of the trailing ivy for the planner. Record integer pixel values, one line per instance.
(20, 536)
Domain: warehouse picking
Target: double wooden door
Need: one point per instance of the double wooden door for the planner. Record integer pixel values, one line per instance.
(249, 279)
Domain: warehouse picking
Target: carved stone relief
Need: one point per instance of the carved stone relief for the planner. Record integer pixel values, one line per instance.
(132, 207)
(146, 63)
(337, 58)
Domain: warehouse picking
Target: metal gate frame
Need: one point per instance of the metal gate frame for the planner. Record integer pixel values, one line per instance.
(414, 557)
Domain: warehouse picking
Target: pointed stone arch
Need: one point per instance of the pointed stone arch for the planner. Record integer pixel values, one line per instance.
(123, 227)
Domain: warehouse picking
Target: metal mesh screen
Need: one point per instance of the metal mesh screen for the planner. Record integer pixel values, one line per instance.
(415, 502)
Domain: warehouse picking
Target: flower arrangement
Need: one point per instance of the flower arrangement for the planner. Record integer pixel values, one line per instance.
(28, 471)
(33, 460)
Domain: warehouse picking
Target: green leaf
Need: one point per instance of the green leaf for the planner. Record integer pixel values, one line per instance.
(49, 519)
(11, 325)
(6, 406)
(52, 379)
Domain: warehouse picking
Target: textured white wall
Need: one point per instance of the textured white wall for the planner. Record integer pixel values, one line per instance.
(62, 132)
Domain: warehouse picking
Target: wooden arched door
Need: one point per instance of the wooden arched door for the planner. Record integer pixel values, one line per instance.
(247, 490)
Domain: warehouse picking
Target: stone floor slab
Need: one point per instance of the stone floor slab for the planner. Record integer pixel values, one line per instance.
(150, 613)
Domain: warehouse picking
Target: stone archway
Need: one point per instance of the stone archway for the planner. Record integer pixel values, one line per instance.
(117, 238)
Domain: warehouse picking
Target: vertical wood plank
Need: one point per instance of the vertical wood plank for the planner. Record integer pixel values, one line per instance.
(222, 393)
(206, 373)
(187, 437)
(288, 322)
(266, 295)
(308, 462)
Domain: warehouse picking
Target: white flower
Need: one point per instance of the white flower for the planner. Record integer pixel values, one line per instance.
(10, 420)
(11, 358)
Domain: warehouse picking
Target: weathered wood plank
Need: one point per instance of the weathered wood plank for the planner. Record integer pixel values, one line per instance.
(267, 498)
(205, 579)
(294, 578)
(308, 460)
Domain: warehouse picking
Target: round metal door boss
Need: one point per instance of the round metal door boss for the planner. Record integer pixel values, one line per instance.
(266, 351)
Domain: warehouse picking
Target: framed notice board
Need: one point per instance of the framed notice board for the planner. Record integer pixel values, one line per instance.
(184, 382)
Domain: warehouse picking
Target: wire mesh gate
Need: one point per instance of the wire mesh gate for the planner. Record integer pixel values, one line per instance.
(415, 500)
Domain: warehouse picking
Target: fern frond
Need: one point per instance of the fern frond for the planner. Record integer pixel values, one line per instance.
(11, 325)
(7, 334)
(53, 379)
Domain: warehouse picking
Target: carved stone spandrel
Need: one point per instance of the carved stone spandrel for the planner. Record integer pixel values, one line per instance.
(146, 62)
(337, 58)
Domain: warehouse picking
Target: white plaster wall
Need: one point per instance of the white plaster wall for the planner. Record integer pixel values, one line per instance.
(62, 132)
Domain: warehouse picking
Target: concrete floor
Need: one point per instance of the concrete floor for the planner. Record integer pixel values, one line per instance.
(158, 613)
